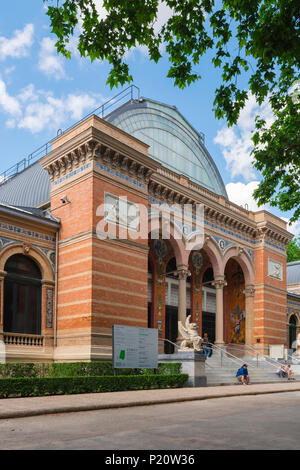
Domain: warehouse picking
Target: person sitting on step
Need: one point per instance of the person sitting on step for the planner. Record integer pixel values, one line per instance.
(243, 376)
(290, 373)
(282, 372)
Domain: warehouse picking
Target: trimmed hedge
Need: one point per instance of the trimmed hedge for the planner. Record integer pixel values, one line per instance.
(78, 369)
(37, 386)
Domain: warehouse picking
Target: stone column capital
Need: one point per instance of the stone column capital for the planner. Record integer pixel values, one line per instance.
(183, 272)
(219, 283)
(2, 274)
(48, 283)
(249, 291)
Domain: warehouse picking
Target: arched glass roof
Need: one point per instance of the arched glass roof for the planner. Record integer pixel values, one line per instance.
(172, 140)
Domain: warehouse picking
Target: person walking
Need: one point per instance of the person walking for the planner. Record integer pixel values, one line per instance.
(206, 345)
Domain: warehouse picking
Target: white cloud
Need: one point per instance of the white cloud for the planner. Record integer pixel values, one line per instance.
(242, 194)
(78, 104)
(163, 15)
(8, 103)
(236, 143)
(18, 45)
(50, 63)
(35, 110)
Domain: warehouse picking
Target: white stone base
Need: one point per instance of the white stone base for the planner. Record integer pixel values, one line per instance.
(192, 363)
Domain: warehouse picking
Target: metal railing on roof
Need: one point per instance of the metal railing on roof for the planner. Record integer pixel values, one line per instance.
(129, 94)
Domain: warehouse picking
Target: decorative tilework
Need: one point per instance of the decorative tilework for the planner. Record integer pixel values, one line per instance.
(250, 253)
(223, 244)
(222, 229)
(160, 203)
(50, 254)
(13, 228)
(49, 308)
(120, 175)
(72, 173)
(275, 246)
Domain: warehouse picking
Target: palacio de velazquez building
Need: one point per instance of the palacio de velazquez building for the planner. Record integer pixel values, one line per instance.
(62, 288)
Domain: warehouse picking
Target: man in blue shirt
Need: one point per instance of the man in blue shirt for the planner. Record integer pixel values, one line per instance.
(243, 376)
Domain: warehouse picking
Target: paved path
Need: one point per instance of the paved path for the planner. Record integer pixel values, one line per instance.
(270, 421)
(34, 406)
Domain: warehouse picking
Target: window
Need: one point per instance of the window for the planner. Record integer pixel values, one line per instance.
(22, 296)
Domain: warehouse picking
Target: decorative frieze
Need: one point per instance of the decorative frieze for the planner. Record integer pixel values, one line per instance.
(22, 231)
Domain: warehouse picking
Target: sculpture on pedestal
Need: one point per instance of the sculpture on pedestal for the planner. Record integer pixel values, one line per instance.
(297, 352)
(192, 341)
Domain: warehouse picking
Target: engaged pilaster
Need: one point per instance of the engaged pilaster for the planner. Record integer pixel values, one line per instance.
(249, 307)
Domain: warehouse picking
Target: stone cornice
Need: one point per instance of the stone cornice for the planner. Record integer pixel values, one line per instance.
(85, 148)
(268, 231)
(171, 192)
(88, 147)
(217, 209)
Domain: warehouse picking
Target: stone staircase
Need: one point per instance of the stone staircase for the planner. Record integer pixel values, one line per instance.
(261, 371)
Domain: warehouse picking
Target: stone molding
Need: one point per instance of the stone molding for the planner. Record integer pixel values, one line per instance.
(249, 291)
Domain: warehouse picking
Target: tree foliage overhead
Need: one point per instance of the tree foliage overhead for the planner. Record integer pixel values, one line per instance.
(293, 250)
(256, 39)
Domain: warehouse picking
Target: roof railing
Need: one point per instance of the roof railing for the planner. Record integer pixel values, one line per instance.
(130, 93)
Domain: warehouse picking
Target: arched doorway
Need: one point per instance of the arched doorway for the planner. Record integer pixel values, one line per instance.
(22, 296)
(163, 292)
(234, 304)
(209, 305)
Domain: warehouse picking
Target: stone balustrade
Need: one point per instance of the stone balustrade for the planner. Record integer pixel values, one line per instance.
(18, 339)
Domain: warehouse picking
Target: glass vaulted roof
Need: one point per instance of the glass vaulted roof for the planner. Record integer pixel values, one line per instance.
(172, 140)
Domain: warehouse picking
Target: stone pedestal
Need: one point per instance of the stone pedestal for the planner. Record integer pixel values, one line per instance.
(192, 363)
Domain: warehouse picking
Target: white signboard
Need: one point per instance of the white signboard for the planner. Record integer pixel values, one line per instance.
(134, 347)
(276, 351)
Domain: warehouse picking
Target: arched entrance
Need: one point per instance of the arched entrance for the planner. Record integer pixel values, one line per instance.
(22, 296)
(209, 305)
(203, 293)
(234, 304)
(163, 292)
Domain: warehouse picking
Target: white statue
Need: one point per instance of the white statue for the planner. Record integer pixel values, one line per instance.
(192, 340)
(297, 352)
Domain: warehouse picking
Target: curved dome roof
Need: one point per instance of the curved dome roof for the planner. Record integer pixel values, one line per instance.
(172, 140)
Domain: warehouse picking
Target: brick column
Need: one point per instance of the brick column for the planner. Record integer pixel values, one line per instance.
(249, 307)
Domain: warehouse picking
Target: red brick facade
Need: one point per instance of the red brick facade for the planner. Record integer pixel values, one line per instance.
(104, 282)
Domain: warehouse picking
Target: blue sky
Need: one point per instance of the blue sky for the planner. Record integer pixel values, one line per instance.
(41, 92)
